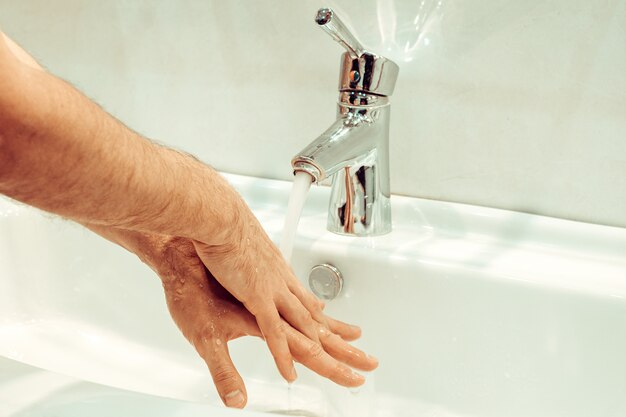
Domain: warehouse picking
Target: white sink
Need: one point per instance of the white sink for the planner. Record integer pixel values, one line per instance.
(27, 391)
(471, 311)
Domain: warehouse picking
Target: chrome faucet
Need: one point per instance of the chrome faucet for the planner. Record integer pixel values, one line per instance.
(354, 150)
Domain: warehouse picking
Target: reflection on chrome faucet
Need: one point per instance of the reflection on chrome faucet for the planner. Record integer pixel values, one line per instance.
(354, 150)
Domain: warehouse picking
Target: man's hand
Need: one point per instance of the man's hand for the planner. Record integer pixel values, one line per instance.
(209, 317)
(254, 271)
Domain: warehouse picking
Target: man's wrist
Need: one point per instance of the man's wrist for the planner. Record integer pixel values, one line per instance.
(225, 213)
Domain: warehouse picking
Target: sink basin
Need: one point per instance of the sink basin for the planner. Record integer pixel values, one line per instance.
(27, 391)
(471, 311)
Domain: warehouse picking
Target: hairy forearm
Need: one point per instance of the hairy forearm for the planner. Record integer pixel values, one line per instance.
(62, 153)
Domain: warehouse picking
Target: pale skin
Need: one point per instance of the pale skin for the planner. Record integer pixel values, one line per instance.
(62, 153)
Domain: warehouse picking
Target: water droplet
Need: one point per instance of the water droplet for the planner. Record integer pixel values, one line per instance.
(179, 291)
(182, 281)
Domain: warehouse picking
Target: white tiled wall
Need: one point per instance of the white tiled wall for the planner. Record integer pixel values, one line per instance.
(512, 104)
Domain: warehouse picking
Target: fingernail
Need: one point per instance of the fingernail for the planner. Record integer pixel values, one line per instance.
(357, 328)
(234, 399)
(374, 358)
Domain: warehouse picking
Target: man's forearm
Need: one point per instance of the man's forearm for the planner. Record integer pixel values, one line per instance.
(62, 153)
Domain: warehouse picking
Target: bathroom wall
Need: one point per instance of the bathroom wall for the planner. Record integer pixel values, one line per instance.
(518, 105)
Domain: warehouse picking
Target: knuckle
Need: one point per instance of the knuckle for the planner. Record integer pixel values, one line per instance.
(325, 334)
(250, 298)
(224, 374)
(315, 351)
(337, 341)
(251, 304)
(279, 327)
(307, 316)
(315, 302)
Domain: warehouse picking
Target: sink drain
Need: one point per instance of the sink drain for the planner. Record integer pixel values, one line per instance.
(325, 281)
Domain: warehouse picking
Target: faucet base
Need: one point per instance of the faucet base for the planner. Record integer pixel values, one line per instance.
(357, 205)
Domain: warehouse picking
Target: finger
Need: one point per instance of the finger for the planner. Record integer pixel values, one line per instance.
(346, 353)
(228, 382)
(273, 329)
(292, 310)
(313, 356)
(347, 331)
(308, 299)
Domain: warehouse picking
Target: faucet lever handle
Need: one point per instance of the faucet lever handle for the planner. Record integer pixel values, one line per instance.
(328, 20)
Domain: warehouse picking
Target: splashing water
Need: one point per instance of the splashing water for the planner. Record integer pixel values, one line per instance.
(301, 185)
(297, 198)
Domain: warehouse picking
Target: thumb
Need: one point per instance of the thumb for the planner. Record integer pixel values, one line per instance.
(228, 382)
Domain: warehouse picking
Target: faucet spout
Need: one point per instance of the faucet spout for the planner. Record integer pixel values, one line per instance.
(354, 152)
(349, 139)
